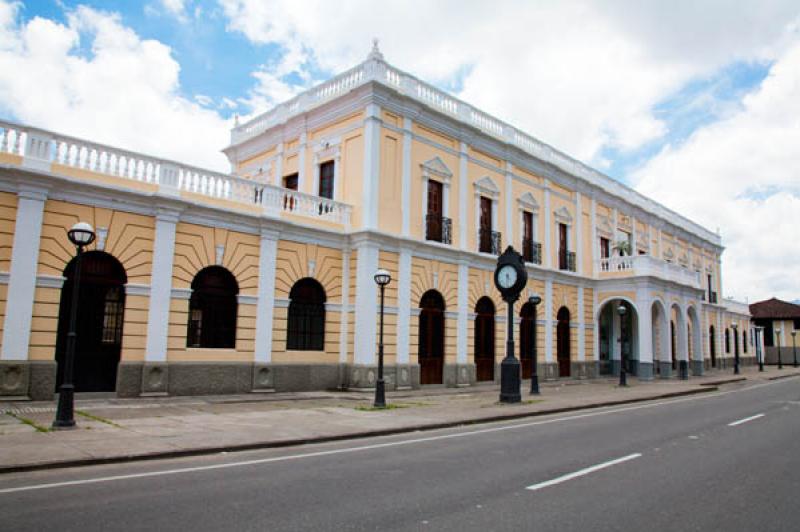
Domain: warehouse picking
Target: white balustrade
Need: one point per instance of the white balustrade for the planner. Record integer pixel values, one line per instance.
(48, 147)
(647, 265)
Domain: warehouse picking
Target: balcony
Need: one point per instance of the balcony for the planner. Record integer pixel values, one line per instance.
(566, 260)
(438, 228)
(531, 251)
(75, 158)
(489, 241)
(648, 266)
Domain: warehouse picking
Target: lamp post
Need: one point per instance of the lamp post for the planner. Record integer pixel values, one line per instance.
(534, 300)
(81, 235)
(382, 278)
(623, 378)
(794, 348)
(735, 328)
(778, 336)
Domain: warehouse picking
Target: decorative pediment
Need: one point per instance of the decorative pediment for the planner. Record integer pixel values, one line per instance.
(329, 148)
(528, 202)
(486, 187)
(436, 167)
(684, 259)
(624, 222)
(604, 228)
(668, 254)
(562, 215)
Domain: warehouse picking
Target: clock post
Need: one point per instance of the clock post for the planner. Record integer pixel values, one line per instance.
(510, 277)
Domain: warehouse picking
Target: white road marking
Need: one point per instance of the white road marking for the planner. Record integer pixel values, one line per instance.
(583, 472)
(378, 445)
(745, 420)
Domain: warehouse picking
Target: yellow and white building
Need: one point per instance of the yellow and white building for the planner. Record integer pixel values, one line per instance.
(262, 279)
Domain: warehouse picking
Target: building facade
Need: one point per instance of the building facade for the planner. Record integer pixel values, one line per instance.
(778, 323)
(262, 279)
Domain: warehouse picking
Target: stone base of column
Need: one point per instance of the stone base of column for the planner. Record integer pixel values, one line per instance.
(155, 379)
(548, 370)
(644, 371)
(696, 367)
(263, 378)
(665, 369)
(459, 375)
(24, 379)
(614, 363)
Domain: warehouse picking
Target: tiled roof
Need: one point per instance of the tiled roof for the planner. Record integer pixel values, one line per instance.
(775, 308)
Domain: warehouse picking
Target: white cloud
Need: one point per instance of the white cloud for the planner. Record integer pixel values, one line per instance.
(743, 174)
(124, 92)
(176, 8)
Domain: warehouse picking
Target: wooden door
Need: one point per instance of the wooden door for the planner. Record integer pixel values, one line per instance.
(484, 340)
(562, 341)
(527, 236)
(527, 336)
(431, 338)
(434, 214)
(713, 344)
(99, 323)
(326, 171)
(562, 246)
(486, 225)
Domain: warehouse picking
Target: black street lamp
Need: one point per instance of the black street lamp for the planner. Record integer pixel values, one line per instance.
(623, 378)
(382, 278)
(534, 300)
(81, 235)
(778, 335)
(794, 348)
(735, 328)
(759, 352)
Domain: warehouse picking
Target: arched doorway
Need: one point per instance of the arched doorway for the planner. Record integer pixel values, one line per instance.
(562, 342)
(527, 336)
(660, 340)
(101, 307)
(212, 309)
(673, 344)
(712, 340)
(484, 339)
(431, 338)
(305, 327)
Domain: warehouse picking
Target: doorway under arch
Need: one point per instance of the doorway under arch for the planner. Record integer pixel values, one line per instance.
(431, 338)
(527, 337)
(101, 307)
(562, 342)
(712, 340)
(484, 339)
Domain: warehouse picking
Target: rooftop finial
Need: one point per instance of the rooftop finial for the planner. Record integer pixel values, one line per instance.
(375, 53)
(236, 119)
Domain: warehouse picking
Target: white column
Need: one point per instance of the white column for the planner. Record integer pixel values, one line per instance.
(581, 326)
(344, 323)
(22, 278)
(548, 320)
(366, 304)
(278, 177)
(509, 196)
(593, 239)
(616, 336)
(301, 164)
(160, 287)
(683, 337)
(548, 237)
(462, 347)
(578, 233)
(268, 254)
(462, 197)
(405, 200)
(634, 251)
(403, 306)
(596, 339)
(645, 328)
(371, 170)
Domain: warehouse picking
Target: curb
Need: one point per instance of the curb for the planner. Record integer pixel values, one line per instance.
(779, 377)
(724, 381)
(160, 455)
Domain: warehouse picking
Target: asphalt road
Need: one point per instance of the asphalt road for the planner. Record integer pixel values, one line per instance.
(698, 463)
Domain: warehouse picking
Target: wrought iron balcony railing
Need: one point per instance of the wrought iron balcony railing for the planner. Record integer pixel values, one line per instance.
(438, 228)
(566, 260)
(531, 251)
(489, 241)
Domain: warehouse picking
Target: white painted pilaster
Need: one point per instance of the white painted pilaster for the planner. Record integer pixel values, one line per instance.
(366, 304)
(581, 327)
(645, 327)
(594, 239)
(301, 164)
(509, 197)
(278, 177)
(578, 233)
(405, 200)
(22, 277)
(462, 197)
(548, 318)
(344, 323)
(548, 233)
(403, 306)
(371, 171)
(160, 287)
(461, 324)
(268, 253)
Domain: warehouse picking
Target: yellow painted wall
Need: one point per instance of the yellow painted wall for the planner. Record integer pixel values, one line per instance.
(390, 216)
(8, 220)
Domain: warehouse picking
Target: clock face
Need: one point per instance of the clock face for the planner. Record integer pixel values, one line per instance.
(507, 276)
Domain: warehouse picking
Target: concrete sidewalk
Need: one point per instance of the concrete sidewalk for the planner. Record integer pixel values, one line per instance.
(117, 430)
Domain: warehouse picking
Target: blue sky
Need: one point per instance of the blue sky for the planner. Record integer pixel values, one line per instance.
(692, 103)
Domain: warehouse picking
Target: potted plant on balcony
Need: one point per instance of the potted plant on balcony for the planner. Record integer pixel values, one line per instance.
(623, 248)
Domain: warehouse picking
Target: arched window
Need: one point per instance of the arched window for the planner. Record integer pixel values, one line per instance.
(306, 326)
(431, 338)
(727, 341)
(212, 309)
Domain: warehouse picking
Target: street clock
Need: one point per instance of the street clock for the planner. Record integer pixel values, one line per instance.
(510, 276)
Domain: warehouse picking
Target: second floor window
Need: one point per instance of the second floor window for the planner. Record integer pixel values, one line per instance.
(326, 180)
(437, 227)
(290, 182)
(605, 248)
(531, 250)
(488, 240)
(566, 258)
